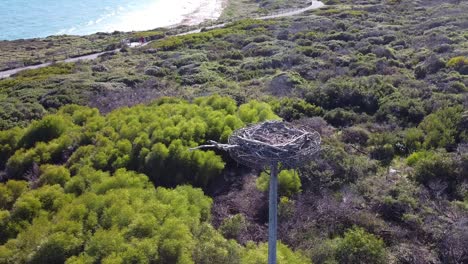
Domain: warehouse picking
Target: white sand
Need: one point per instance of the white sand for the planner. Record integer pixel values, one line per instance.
(208, 10)
(169, 13)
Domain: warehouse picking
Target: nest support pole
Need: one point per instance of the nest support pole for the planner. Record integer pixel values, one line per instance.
(269, 144)
(272, 214)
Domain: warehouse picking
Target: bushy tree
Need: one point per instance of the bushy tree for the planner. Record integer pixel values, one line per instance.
(52, 175)
(154, 139)
(441, 128)
(48, 128)
(358, 246)
(8, 143)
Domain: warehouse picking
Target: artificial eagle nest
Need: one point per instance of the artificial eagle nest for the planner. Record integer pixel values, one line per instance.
(271, 142)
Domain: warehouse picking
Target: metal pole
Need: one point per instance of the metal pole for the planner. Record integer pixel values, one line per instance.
(273, 217)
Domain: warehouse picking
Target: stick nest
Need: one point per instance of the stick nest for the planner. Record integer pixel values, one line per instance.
(261, 145)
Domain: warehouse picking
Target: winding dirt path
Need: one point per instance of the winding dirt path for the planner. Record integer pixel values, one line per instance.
(8, 73)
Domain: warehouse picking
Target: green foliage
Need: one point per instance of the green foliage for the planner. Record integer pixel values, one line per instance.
(436, 167)
(172, 43)
(52, 175)
(384, 146)
(288, 181)
(231, 227)
(116, 218)
(48, 128)
(285, 208)
(336, 167)
(127, 203)
(25, 160)
(8, 143)
(415, 157)
(293, 108)
(381, 80)
(459, 63)
(255, 111)
(441, 128)
(360, 95)
(45, 72)
(213, 248)
(254, 254)
(10, 192)
(397, 108)
(340, 117)
(413, 139)
(154, 139)
(358, 246)
(152, 34)
(355, 135)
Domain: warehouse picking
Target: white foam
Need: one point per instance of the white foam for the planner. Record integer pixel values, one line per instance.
(161, 13)
(167, 13)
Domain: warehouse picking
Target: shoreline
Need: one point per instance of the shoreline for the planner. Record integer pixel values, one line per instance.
(208, 10)
(168, 15)
(160, 14)
(314, 5)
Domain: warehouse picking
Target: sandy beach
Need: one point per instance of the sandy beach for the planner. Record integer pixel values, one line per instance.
(207, 10)
(169, 13)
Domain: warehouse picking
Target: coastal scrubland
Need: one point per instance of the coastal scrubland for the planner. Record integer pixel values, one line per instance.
(96, 167)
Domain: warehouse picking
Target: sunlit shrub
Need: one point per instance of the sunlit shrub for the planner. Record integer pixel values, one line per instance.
(289, 182)
(358, 246)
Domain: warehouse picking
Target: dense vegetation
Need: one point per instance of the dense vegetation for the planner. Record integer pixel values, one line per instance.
(88, 152)
(86, 203)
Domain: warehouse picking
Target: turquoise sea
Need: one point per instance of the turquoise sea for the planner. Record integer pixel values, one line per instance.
(40, 18)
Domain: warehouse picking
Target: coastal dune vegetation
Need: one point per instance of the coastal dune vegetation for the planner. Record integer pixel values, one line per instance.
(95, 165)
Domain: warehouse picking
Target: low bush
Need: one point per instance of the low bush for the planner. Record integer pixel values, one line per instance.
(289, 182)
(459, 64)
(358, 246)
(48, 128)
(232, 227)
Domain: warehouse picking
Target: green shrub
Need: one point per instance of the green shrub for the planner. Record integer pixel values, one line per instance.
(154, 139)
(361, 95)
(397, 108)
(254, 111)
(336, 167)
(46, 72)
(286, 208)
(56, 248)
(358, 246)
(340, 117)
(355, 135)
(438, 167)
(414, 158)
(52, 175)
(232, 227)
(48, 128)
(384, 146)
(413, 139)
(289, 182)
(459, 63)
(8, 144)
(441, 128)
(10, 192)
(213, 248)
(293, 108)
(256, 254)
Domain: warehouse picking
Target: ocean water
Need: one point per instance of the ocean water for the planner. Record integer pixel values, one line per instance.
(40, 18)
